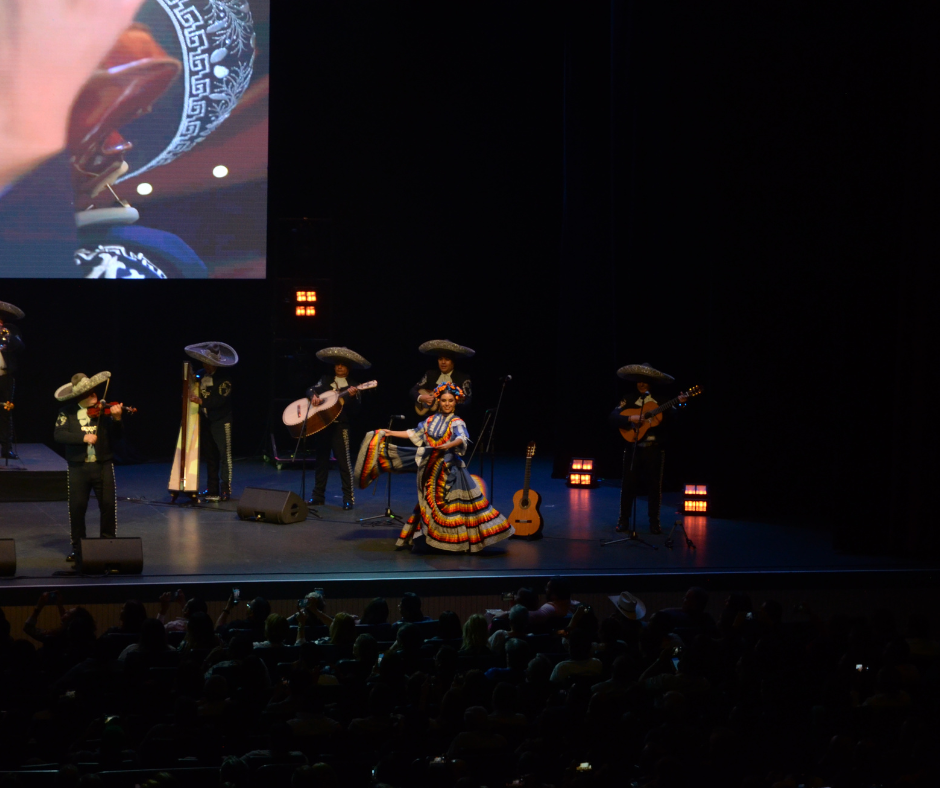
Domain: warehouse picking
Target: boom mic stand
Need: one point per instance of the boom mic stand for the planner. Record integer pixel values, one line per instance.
(389, 517)
(633, 536)
(4, 414)
(302, 438)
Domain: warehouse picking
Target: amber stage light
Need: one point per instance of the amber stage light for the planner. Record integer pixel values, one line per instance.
(695, 499)
(581, 473)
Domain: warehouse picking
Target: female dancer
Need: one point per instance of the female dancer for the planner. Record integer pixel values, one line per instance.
(452, 511)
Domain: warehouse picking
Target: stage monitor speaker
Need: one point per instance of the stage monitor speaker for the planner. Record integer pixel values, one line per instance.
(271, 506)
(7, 558)
(124, 556)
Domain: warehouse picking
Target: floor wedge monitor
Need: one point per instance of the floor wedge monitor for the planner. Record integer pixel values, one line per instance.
(271, 506)
(122, 556)
(7, 558)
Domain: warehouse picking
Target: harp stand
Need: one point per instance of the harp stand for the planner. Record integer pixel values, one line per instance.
(389, 517)
(632, 536)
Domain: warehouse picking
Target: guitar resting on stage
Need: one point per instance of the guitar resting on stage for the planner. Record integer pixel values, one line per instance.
(651, 418)
(526, 519)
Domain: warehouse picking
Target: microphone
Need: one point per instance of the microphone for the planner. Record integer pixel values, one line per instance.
(398, 417)
(505, 378)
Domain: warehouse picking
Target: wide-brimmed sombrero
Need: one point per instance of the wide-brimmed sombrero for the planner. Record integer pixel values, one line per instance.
(80, 384)
(343, 355)
(13, 311)
(218, 354)
(444, 347)
(644, 373)
(215, 44)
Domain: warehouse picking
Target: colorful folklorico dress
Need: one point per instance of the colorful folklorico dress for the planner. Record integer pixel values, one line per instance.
(452, 512)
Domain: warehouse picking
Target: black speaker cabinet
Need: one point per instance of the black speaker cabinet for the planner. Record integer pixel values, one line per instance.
(124, 556)
(271, 506)
(7, 558)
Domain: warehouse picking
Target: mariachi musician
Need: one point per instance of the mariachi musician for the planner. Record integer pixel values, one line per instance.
(335, 437)
(646, 466)
(11, 345)
(214, 398)
(446, 353)
(88, 435)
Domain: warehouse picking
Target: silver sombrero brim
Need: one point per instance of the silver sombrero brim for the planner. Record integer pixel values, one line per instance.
(14, 311)
(68, 391)
(643, 373)
(438, 346)
(343, 355)
(218, 354)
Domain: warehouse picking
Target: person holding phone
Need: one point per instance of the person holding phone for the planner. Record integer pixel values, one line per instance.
(258, 611)
(188, 607)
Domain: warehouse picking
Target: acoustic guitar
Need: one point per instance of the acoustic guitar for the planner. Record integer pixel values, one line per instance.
(650, 418)
(526, 519)
(300, 415)
(424, 410)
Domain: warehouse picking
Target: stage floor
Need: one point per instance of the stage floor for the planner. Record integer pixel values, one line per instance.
(209, 544)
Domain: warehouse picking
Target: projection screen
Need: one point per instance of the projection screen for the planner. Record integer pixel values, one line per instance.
(133, 138)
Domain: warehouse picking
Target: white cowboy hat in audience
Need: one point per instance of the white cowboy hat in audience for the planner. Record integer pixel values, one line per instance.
(629, 606)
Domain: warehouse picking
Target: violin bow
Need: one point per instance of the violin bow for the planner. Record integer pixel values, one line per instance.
(100, 408)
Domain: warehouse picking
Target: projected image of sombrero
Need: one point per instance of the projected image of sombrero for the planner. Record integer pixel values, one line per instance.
(214, 42)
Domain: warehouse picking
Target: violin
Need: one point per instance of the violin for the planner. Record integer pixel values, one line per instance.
(103, 408)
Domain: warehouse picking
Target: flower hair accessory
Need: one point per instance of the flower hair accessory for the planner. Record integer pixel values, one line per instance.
(448, 388)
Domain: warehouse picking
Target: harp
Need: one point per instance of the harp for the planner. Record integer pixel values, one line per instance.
(184, 477)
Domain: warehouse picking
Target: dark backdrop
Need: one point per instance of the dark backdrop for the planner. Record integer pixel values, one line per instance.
(741, 194)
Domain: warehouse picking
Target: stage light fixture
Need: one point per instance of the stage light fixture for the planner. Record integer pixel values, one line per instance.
(304, 303)
(143, 189)
(220, 172)
(581, 472)
(303, 309)
(695, 499)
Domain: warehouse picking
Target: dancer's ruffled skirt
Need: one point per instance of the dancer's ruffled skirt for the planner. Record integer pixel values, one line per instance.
(452, 512)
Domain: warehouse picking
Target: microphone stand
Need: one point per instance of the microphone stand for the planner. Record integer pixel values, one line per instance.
(633, 536)
(389, 517)
(491, 423)
(302, 438)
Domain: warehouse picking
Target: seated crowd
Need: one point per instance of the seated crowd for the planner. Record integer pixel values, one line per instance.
(550, 694)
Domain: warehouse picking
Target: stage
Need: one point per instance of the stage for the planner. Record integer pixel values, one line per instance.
(208, 545)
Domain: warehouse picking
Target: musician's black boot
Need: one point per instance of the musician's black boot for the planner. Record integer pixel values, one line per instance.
(347, 505)
(72, 557)
(655, 529)
(623, 526)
